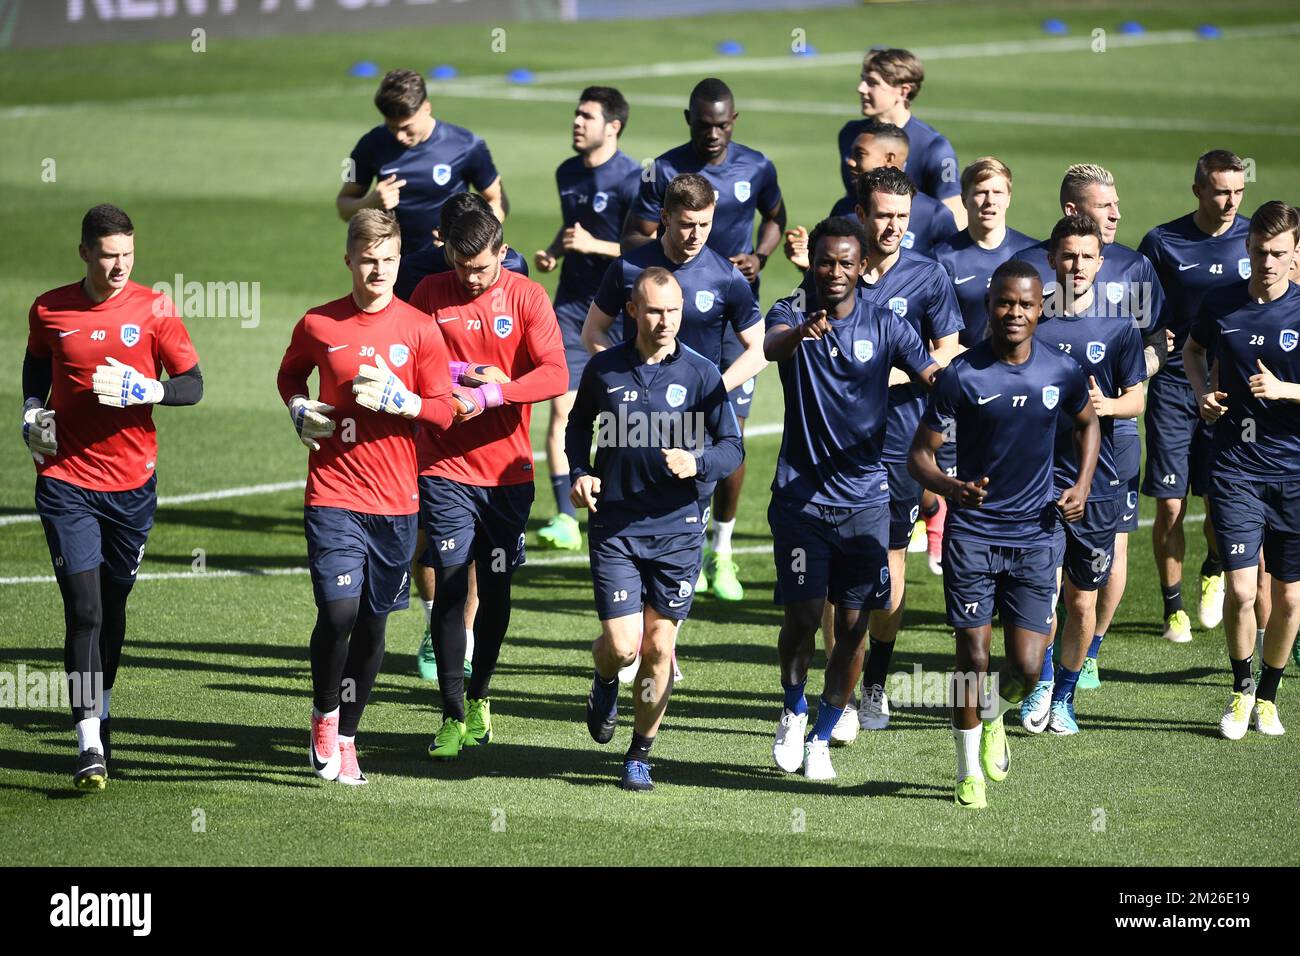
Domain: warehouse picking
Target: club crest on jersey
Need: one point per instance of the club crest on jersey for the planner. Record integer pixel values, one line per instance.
(398, 354)
(1243, 268)
(741, 189)
(675, 395)
(1051, 395)
(703, 300)
(1096, 352)
(131, 335)
(1288, 339)
(898, 305)
(684, 589)
(599, 202)
(1132, 499)
(884, 575)
(909, 239)
(748, 387)
(442, 174)
(503, 325)
(1114, 292)
(863, 349)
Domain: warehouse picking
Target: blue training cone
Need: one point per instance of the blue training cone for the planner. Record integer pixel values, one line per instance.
(808, 50)
(442, 71)
(363, 69)
(1131, 27)
(521, 75)
(1208, 31)
(1055, 27)
(730, 48)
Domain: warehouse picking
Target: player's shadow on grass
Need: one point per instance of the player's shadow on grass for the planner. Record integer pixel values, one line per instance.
(230, 519)
(1190, 675)
(215, 562)
(132, 658)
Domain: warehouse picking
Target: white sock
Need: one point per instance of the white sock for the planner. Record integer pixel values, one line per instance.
(321, 716)
(968, 753)
(103, 713)
(469, 645)
(428, 612)
(722, 536)
(88, 735)
(347, 740)
(1259, 643)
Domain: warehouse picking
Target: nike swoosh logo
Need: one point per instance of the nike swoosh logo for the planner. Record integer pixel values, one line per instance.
(317, 764)
(1184, 268)
(882, 593)
(335, 348)
(1226, 331)
(676, 603)
(985, 401)
(960, 281)
(64, 335)
(388, 172)
(743, 401)
(611, 391)
(1127, 517)
(445, 321)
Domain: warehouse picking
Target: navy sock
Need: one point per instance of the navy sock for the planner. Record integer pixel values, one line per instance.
(1268, 681)
(1048, 673)
(1173, 596)
(1242, 679)
(877, 662)
(827, 718)
(560, 487)
(1065, 681)
(1095, 647)
(795, 701)
(1211, 566)
(639, 749)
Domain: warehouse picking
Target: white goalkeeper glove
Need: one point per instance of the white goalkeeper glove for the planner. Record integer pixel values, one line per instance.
(120, 385)
(309, 420)
(38, 430)
(377, 388)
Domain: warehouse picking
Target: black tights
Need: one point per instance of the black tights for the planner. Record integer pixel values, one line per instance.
(94, 618)
(343, 670)
(448, 626)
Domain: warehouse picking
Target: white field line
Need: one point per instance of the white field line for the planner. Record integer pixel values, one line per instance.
(497, 86)
(543, 562)
(244, 491)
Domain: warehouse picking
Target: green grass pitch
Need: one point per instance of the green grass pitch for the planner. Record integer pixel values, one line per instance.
(229, 160)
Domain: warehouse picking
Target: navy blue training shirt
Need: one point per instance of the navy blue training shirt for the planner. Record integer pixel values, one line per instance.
(744, 183)
(450, 161)
(715, 297)
(635, 410)
(1006, 431)
(971, 267)
(835, 400)
(1241, 332)
(931, 222)
(1111, 352)
(599, 198)
(931, 160)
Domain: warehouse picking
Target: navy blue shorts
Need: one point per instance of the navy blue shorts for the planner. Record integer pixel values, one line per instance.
(822, 552)
(351, 554)
(1019, 583)
(742, 396)
(659, 570)
(96, 529)
(1249, 515)
(571, 315)
(466, 523)
(904, 504)
(1128, 463)
(1086, 548)
(1178, 442)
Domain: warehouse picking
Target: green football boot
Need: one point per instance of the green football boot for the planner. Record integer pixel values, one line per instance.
(562, 533)
(478, 722)
(448, 741)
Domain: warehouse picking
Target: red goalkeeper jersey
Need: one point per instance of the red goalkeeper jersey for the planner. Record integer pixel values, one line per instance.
(369, 463)
(103, 448)
(510, 325)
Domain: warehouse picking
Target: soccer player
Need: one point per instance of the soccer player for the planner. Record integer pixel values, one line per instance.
(718, 303)
(663, 422)
(1130, 285)
(744, 184)
(431, 258)
(416, 162)
(889, 84)
(95, 351)
(597, 188)
(1007, 395)
(969, 257)
(882, 144)
(830, 498)
(1193, 255)
(476, 479)
(1109, 349)
(918, 291)
(382, 366)
(1253, 328)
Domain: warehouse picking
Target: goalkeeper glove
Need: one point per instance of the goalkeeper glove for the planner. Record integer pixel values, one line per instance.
(120, 385)
(377, 388)
(309, 420)
(38, 430)
(472, 375)
(475, 401)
